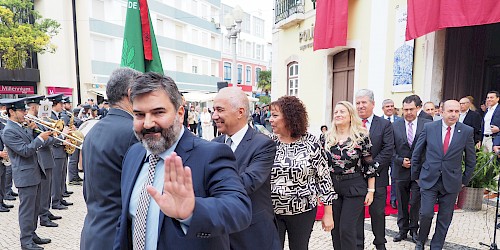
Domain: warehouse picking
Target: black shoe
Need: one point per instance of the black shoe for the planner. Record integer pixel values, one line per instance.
(7, 205)
(380, 247)
(68, 192)
(400, 236)
(79, 179)
(14, 194)
(47, 223)
(394, 205)
(9, 198)
(66, 203)
(59, 207)
(4, 209)
(54, 217)
(41, 241)
(419, 245)
(65, 195)
(31, 246)
(414, 236)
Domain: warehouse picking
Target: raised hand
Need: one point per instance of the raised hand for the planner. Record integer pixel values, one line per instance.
(177, 200)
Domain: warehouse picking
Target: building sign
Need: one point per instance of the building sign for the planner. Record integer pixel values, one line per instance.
(306, 36)
(403, 54)
(245, 88)
(24, 90)
(60, 90)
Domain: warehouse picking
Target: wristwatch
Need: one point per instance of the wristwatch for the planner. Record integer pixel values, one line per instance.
(371, 190)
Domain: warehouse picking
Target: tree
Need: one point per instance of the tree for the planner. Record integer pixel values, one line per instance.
(265, 85)
(23, 30)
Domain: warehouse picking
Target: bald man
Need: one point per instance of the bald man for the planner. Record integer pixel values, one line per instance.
(255, 156)
(440, 175)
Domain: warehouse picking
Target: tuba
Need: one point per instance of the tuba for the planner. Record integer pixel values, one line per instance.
(6, 161)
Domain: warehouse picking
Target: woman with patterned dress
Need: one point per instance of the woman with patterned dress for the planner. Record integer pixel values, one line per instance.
(353, 173)
(300, 174)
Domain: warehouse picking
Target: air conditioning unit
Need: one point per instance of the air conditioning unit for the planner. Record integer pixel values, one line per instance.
(217, 26)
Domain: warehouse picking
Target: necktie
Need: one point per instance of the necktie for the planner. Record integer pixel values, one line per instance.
(446, 139)
(389, 118)
(364, 122)
(229, 141)
(139, 235)
(409, 134)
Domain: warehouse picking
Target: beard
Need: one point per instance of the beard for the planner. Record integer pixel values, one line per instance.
(168, 137)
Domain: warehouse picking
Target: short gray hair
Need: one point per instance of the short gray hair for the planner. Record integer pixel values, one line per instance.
(365, 92)
(237, 98)
(387, 101)
(119, 83)
(151, 81)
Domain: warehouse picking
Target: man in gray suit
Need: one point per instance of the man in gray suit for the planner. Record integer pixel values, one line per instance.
(102, 154)
(440, 175)
(3, 154)
(255, 157)
(26, 171)
(46, 161)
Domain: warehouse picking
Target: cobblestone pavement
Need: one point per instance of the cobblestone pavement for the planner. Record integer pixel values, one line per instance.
(467, 229)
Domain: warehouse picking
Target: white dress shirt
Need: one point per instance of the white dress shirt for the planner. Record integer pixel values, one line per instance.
(369, 122)
(462, 116)
(237, 137)
(487, 120)
(444, 129)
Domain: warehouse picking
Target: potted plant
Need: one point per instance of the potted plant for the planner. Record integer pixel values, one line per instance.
(471, 196)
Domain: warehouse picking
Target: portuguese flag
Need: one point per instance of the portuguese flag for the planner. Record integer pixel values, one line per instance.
(140, 51)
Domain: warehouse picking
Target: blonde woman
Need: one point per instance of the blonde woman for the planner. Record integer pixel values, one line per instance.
(352, 170)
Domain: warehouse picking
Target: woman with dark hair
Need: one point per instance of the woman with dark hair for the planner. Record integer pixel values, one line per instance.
(353, 172)
(322, 136)
(300, 174)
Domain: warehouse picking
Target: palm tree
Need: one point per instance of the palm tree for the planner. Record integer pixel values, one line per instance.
(265, 85)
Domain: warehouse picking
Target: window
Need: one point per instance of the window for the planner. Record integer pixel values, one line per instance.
(227, 71)
(249, 49)
(245, 25)
(214, 69)
(293, 79)
(99, 50)
(258, 52)
(194, 68)
(178, 32)
(159, 27)
(212, 42)
(248, 74)
(194, 7)
(204, 67)
(257, 74)
(240, 73)
(258, 27)
(194, 36)
(179, 63)
(204, 11)
(204, 39)
(98, 9)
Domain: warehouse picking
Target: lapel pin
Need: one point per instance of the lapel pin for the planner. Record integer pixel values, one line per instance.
(459, 131)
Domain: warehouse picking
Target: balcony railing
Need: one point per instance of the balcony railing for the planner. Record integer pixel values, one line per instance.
(286, 8)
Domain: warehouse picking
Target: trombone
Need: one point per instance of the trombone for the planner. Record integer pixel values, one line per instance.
(57, 127)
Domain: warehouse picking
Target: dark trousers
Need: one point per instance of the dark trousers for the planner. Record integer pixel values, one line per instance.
(8, 180)
(64, 187)
(2, 182)
(377, 215)
(192, 128)
(408, 194)
(45, 187)
(299, 229)
(29, 207)
(346, 208)
(57, 180)
(446, 203)
(73, 165)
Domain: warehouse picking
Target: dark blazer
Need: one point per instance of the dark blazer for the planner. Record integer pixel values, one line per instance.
(402, 149)
(382, 138)
(255, 158)
(437, 163)
(103, 151)
(22, 153)
(425, 115)
(222, 206)
(475, 120)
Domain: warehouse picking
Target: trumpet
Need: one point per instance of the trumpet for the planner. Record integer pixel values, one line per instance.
(57, 126)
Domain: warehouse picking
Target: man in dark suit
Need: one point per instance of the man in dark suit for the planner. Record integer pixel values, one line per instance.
(491, 119)
(103, 151)
(406, 132)
(422, 113)
(26, 171)
(382, 138)
(3, 155)
(198, 206)
(388, 109)
(254, 156)
(471, 118)
(443, 144)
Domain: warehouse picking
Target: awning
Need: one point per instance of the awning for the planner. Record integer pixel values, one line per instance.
(428, 16)
(100, 92)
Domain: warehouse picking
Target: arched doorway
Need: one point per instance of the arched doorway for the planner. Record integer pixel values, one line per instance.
(343, 77)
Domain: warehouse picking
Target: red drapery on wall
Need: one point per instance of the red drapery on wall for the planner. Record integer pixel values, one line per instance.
(330, 29)
(431, 15)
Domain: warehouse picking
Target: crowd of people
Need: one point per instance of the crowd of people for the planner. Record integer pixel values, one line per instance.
(151, 182)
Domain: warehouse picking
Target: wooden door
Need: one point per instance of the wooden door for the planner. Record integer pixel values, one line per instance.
(343, 77)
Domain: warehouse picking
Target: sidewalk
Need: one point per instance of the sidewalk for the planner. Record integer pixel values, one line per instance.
(466, 231)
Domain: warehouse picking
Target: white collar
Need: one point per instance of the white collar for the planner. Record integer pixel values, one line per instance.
(237, 137)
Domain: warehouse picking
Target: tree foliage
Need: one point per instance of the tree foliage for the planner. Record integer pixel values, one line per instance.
(265, 81)
(23, 30)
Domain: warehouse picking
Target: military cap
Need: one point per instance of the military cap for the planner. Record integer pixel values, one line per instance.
(66, 99)
(55, 98)
(34, 99)
(86, 106)
(14, 103)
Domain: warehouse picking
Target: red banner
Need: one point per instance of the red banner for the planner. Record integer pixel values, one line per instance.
(245, 88)
(60, 90)
(330, 29)
(428, 16)
(146, 31)
(24, 90)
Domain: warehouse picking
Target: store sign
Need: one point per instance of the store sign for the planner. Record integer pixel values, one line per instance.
(306, 36)
(245, 88)
(17, 90)
(60, 90)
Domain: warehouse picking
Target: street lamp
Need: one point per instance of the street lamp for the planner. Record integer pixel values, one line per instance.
(232, 21)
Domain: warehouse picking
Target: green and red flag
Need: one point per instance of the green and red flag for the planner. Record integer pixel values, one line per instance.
(140, 51)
